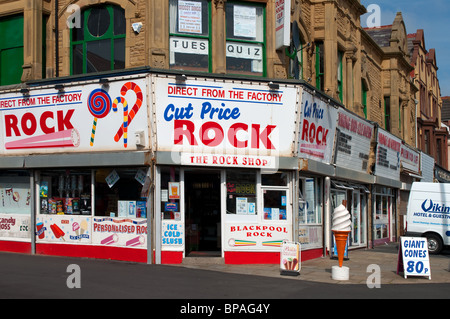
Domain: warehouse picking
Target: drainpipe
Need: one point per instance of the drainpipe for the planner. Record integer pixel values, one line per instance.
(56, 40)
(326, 219)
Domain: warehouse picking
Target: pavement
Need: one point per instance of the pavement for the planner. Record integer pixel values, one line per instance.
(364, 266)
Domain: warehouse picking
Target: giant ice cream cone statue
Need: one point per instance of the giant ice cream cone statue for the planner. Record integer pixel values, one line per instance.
(341, 229)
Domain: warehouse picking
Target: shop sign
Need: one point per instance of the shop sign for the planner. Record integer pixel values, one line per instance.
(282, 23)
(388, 155)
(224, 118)
(409, 158)
(413, 257)
(353, 141)
(15, 226)
(244, 50)
(317, 129)
(119, 232)
(258, 236)
(229, 160)
(63, 229)
(87, 117)
(441, 174)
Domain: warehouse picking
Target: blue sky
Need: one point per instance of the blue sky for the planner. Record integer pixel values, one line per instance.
(433, 16)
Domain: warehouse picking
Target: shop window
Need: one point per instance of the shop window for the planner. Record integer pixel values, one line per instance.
(99, 44)
(170, 193)
(65, 192)
(121, 192)
(241, 192)
(309, 201)
(189, 35)
(15, 196)
(245, 47)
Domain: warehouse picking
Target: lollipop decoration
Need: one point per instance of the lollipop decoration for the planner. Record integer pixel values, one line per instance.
(99, 104)
(139, 96)
(121, 100)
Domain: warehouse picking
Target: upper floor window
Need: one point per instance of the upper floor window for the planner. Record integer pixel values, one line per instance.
(11, 49)
(320, 66)
(387, 113)
(245, 47)
(189, 35)
(99, 44)
(364, 91)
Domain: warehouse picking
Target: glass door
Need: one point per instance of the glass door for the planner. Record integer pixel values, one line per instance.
(275, 204)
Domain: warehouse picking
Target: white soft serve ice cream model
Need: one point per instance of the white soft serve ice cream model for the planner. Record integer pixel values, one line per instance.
(341, 229)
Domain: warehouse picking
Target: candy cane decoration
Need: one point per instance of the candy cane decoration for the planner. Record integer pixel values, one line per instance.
(137, 90)
(99, 104)
(121, 100)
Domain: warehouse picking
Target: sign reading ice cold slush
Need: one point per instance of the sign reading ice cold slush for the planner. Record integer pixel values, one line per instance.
(79, 119)
(225, 124)
(317, 129)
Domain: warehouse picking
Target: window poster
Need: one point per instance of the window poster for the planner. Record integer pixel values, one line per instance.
(241, 205)
(174, 190)
(244, 21)
(189, 17)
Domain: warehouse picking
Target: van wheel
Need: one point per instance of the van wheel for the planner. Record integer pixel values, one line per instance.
(434, 244)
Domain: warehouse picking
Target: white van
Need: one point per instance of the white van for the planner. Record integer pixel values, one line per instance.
(428, 214)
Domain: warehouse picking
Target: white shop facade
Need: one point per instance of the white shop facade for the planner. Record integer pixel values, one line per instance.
(75, 167)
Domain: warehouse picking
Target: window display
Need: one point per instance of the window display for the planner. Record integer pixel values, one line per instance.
(65, 192)
(118, 192)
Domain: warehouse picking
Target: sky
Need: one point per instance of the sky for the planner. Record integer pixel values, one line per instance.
(430, 15)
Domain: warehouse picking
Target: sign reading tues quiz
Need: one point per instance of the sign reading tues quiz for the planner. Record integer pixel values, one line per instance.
(225, 123)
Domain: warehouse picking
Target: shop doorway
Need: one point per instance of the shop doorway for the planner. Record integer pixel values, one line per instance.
(202, 213)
